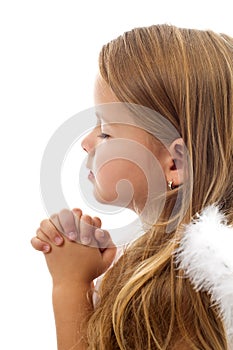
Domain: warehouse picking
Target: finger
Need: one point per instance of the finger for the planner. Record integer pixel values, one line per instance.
(55, 221)
(77, 212)
(42, 236)
(40, 245)
(77, 216)
(107, 247)
(87, 231)
(103, 238)
(51, 232)
(97, 222)
(67, 221)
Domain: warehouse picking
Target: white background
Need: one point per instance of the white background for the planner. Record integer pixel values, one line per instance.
(48, 62)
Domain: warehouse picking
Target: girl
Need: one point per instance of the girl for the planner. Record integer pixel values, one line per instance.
(158, 295)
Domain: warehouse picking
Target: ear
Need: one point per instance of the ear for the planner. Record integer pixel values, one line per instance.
(175, 171)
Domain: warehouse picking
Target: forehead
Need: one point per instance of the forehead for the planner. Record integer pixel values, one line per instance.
(102, 92)
(108, 108)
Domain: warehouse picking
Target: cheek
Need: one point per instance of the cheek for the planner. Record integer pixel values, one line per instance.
(107, 177)
(139, 176)
(120, 181)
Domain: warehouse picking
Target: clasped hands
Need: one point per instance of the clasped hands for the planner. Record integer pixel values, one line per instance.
(76, 249)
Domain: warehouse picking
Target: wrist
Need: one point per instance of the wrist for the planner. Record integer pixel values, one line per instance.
(71, 282)
(70, 300)
(63, 285)
(70, 288)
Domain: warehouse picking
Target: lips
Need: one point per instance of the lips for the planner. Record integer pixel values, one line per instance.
(91, 176)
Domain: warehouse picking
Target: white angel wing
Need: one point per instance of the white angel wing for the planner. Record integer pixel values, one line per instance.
(206, 256)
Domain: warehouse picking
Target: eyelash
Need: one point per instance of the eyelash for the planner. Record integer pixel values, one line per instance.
(103, 136)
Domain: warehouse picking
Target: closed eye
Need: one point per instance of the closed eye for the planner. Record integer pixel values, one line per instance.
(103, 136)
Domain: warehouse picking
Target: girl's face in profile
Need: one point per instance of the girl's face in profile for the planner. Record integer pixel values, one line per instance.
(116, 150)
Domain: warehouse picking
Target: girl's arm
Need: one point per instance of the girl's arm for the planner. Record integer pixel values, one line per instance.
(73, 268)
(72, 309)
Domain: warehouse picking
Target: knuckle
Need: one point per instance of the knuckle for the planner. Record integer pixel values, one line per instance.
(64, 211)
(77, 211)
(46, 227)
(53, 217)
(64, 217)
(44, 223)
(87, 219)
(97, 221)
(40, 236)
(37, 232)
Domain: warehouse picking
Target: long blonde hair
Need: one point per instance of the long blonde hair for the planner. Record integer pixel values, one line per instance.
(186, 76)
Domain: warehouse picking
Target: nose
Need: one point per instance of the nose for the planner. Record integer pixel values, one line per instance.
(88, 143)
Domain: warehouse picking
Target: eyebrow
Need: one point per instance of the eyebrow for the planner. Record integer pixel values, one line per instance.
(99, 118)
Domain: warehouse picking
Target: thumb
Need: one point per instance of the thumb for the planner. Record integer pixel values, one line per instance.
(106, 246)
(108, 256)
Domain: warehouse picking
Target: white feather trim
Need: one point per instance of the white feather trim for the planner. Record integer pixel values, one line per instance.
(206, 256)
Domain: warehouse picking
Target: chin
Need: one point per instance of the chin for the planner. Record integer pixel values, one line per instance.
(101, 198)
(110, 200)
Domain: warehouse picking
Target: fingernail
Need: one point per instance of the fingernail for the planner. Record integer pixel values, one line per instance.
(85, 240)
(72, 236)
(58, 240)
(46, 248)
